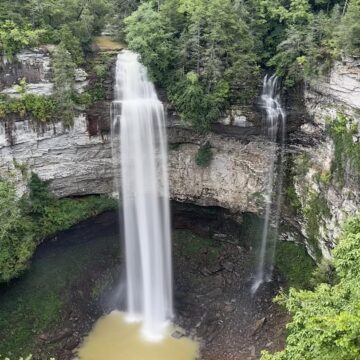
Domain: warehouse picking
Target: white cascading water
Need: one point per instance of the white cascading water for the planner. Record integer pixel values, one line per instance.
(139, 135)
(275, 118)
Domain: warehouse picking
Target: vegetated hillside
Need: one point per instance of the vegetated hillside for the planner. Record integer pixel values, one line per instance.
(326, 321)
(208, 54)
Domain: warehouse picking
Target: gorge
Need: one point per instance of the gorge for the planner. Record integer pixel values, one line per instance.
(260, 104)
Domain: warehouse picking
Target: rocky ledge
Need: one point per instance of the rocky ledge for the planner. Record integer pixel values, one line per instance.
(76, 163)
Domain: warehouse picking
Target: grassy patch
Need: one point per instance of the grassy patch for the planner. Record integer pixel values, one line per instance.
(315, 210)
(341, 131)
(107, 43)
(191, 244)
(295, 264)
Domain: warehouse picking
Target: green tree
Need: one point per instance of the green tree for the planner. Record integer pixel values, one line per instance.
(200, 51)
(326, 321)
(64, 79)
(348, 33)
(16, 236)
(149, 34)
(72, 44)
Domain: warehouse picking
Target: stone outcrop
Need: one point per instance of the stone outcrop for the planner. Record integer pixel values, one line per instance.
(35, 67)
(235, 178)
(78, 164)
(32, 65)
(74, 163)
(342, 85)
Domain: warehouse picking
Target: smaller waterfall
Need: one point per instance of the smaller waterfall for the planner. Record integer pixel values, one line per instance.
(139, 124)
(274, 119)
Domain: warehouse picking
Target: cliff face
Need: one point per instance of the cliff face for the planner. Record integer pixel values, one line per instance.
(324, 193)
(78, 161)
(77, 164)
(74, 162)
(235, 178)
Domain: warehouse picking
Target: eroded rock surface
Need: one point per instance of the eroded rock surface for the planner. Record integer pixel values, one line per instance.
(76, 163)
(339, 94)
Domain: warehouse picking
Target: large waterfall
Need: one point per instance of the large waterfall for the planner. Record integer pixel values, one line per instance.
(274, 120)
(139, 136)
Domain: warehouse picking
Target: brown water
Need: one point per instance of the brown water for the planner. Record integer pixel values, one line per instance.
(115, 339)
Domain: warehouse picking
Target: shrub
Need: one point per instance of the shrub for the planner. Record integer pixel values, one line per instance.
(204, 155)
(14, 38)
(326, 321)
(25, 222)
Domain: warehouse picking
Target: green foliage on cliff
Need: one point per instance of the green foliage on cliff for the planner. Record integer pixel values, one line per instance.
(326, 321)
(25, 222)
(14, 38)
(16, 236)
(347, 151)
(73, 22)
(207, 53)
(39, 107)
(204, 155)
(287, 259)
(312, 36)
(64, 80)
(314, 211)
(348, 32)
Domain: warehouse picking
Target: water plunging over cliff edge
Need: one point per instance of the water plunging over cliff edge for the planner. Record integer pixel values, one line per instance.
(138, 121)
(275, 118)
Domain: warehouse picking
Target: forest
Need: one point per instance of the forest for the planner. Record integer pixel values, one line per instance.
(207, 56)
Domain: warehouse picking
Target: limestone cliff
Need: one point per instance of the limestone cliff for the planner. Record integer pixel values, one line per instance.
(327, 198)
(78, 161)
(78, 164)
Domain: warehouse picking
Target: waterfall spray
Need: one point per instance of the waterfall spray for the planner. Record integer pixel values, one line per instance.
(275, 118)
(138, 122)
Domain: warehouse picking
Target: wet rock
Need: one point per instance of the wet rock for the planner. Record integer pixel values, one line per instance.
(207, 271)
(72, 343)
(61, 336)
(252, 350)
(214, 293)
(228, 266)
(258, 325)
(178, 333)
(229, 308)
(44, 337)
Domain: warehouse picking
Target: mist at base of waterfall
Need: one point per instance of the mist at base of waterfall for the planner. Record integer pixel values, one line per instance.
(114, 337)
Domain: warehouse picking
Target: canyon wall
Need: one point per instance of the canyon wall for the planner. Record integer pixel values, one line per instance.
(78, 161)
(326, 153)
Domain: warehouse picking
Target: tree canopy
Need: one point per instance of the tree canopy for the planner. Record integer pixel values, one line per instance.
(207, 54)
